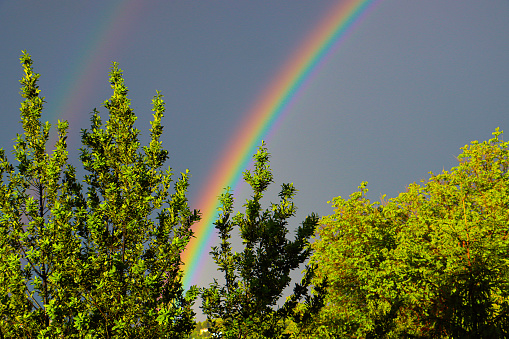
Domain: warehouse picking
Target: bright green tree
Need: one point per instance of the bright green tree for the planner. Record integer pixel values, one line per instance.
(246, 305)
(431, 263)
(102, 264)
(352, 249)
(201, 331)
(39, 201)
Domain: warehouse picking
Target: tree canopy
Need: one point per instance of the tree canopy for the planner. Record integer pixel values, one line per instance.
(431, 262)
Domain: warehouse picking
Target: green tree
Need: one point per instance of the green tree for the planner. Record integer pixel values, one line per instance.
(352, 248)
(39, 199)
(245, 306)
(102, 264)
(431, 263)
(201, 331)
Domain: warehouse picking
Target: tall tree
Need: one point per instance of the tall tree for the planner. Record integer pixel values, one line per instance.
(131, 272)
(245, 306)
(39, 200)
(430, 263)
(102, 264)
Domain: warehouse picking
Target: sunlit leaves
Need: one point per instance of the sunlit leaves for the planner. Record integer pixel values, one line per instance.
(98, 262)
(430, 263)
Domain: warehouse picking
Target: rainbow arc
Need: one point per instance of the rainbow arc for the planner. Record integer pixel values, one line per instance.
(260, 120)
(267, 112)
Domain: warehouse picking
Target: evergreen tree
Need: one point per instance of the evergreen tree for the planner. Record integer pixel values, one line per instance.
(102, 264)
(245, 307)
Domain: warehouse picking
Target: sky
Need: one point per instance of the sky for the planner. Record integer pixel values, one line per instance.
(408, 85)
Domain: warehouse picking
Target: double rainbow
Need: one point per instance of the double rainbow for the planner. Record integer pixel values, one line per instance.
(264, 116)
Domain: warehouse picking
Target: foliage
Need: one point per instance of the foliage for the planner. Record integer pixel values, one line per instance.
(101, 259)
(201, 330)
(431, 263)
(244, 307)
(102, 264)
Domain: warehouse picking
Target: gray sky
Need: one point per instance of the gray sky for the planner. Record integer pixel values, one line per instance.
(412, 83)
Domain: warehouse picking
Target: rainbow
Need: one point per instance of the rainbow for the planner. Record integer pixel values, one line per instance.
(260, 121)
(73, 93)
(262, 118)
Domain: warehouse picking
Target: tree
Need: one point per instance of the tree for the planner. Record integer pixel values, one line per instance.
(38, 199)
(101, 264)
(201, 330)
(352, 248)
(430, 263)
(244, 307)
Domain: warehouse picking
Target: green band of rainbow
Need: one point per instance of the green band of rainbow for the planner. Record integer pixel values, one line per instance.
(262, 117)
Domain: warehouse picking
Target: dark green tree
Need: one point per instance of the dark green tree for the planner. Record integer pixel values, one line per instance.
(246, 305)
(102, 264)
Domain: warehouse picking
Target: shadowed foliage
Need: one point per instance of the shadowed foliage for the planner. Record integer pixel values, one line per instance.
(245, 306)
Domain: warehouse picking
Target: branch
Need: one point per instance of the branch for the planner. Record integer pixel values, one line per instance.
(31, 297)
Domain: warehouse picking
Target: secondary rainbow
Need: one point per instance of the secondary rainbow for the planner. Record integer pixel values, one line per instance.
(72, 102)
(267, 112)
